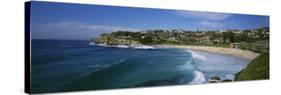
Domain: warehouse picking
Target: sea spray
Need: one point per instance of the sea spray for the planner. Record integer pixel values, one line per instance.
(199, 78)
(197, 56)
(125, 46)
(213, 64)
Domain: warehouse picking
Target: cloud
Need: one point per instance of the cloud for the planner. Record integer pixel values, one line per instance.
(72, 30)
(92, 27)
(209, 24)
(204, 15)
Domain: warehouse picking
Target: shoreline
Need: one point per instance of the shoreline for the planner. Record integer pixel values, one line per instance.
(245, 54)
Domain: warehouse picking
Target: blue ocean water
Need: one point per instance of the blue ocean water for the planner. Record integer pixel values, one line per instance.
(69, 65)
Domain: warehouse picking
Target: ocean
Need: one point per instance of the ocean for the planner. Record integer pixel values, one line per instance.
(71, 65)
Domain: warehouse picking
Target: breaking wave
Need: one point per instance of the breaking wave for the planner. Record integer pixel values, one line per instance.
(195, 55)
(125, 46)
(199, 78)
(143, 47)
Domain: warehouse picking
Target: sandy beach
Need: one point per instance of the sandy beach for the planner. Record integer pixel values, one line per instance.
(245, 54)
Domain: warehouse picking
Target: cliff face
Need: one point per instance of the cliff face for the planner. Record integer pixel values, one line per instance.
(258, 69)
(115, 41)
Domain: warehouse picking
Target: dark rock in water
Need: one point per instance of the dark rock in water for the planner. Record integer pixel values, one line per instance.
(226, 80)
(154, 83)
(216, 78)
(213, 81)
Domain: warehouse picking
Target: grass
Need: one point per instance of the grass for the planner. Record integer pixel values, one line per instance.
(258, 69)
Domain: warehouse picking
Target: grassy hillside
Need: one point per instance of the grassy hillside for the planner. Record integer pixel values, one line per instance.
(258, 69)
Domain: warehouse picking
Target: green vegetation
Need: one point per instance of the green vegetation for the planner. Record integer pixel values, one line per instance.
(258, 69)
(256, 39)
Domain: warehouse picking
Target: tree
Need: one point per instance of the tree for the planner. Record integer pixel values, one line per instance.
(228, 37)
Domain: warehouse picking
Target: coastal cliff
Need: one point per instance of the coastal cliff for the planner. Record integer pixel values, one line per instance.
(258, 69)
(256, 40)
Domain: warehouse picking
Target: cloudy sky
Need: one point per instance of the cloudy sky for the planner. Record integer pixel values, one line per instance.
(74, 21)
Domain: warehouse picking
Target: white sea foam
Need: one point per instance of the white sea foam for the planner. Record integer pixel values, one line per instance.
(198, 56)
(229, 76)
(199, 78)
(122, 60)
(92, 43)
(125, 46)
(122, 46)
(143, 47)
(101, 45)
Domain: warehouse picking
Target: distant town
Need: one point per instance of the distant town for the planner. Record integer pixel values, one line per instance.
(256, 40)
